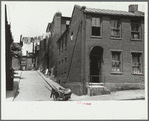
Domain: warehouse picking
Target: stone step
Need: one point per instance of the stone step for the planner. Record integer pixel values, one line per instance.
(97, 84)
(93, 90)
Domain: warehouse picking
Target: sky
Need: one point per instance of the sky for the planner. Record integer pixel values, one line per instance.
(30, 19)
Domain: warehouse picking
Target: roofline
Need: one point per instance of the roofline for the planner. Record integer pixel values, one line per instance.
(89, 12)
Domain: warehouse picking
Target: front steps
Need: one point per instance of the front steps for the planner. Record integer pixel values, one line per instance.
(96, 89)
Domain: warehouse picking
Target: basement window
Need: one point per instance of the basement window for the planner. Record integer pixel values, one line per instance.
(96, 26)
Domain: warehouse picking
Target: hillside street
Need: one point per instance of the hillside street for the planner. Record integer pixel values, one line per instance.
(32, 86)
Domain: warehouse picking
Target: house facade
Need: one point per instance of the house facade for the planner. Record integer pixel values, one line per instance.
(102, 46)
(57, 27)
(27, 62)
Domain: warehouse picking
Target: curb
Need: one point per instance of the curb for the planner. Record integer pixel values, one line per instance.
(45, 79)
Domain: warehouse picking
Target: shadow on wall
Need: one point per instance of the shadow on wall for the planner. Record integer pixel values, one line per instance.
(11, 94)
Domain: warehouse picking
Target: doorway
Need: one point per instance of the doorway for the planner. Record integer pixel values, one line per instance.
(96, 59)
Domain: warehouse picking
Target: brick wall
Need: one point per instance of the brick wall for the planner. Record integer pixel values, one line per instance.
(73, 54)
(107, 43)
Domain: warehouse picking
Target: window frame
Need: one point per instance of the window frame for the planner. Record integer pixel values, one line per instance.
(100, 26)
(141, 63)
(121, 62)
(139, 29)
(120, 27)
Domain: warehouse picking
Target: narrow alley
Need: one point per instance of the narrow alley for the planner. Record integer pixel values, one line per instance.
(32, 87)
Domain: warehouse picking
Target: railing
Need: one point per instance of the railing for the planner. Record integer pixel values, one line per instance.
(97, 79)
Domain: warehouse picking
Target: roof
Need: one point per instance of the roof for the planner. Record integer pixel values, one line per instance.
(114, 12)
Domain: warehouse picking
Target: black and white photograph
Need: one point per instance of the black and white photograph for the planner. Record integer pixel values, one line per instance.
(62, 58)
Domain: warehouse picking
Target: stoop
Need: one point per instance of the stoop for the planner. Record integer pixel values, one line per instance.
(96, 89)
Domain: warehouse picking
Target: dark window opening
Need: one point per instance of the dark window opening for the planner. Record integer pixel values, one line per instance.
(96, 31)
(65, 60)
(96, 26)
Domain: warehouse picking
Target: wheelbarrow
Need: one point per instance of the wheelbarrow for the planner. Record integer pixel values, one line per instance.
(60, 94)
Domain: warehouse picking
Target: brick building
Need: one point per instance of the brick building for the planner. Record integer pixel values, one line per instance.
(48, 47)
(95, 47)
(8, 42)
(102, 47)
(27, 62)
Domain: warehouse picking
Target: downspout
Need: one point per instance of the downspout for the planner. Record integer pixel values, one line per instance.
(83, 51)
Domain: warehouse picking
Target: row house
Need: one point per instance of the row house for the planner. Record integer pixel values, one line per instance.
(57, 27)
(101, 47)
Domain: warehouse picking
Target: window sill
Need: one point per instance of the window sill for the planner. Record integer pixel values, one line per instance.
(117, 73)
(136, 39)
(138, 74)
(98, 37)
(115, 38)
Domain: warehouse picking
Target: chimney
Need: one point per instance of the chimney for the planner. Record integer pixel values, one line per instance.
(83, 7)
(58, 14)
(133, 8)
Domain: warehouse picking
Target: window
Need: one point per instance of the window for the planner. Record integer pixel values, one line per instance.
(62, 43)
(96, 26)
(115, 28)
(65, 60)
(136, 63)
(59, 47)
(62, 61)
(135, 30)
(116, 61)
(67, 23)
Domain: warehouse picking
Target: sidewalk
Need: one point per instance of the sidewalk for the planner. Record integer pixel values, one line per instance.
(11, 94)
(74, 97)
(118, 95)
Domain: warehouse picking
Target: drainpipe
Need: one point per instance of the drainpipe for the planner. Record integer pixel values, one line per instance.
(83, 51)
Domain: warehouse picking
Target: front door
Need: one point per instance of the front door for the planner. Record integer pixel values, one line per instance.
(95, 64)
